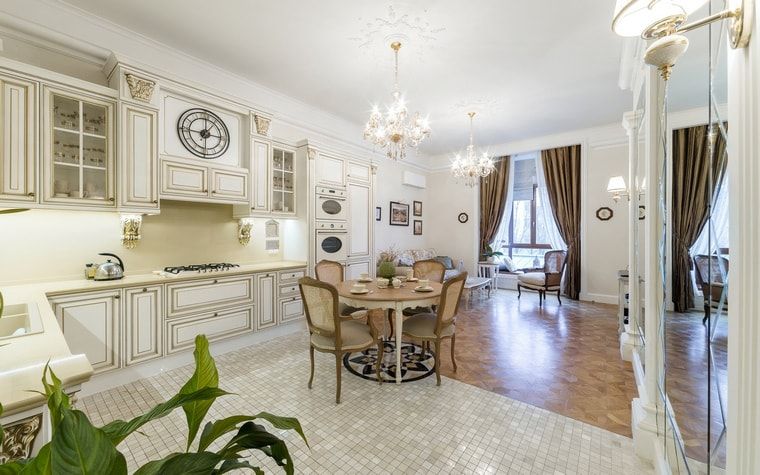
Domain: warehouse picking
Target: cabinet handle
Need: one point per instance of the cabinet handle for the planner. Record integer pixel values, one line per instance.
(112, 199)
(116, 297)
(216, 314)
(205, 190)
(213, 191)
(145, 289)
(216, 281)
(31, 193)
(155, 202)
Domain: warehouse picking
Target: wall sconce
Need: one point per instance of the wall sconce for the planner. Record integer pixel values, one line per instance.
(131, 225)
(662, 20)
(244, 231)
(617, 187)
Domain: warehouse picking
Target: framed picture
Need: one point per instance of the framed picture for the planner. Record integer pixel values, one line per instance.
(417, 210)
(417, 227)
(378, 213)
(604, 213)
(399, 214)
(462, 218)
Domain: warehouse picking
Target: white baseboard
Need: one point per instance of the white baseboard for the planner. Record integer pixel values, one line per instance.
(122, 376)
(599, 298)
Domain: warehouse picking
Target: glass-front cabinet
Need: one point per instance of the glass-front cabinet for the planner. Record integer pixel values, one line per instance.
(78, 149)
(283, 183)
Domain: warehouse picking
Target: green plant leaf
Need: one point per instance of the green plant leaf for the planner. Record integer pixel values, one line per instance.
(193, 463)
(214, 430)
(40, 464)
(205, 376)
(11, 468)
(255, 436)
(79, 447)
(2, 431)
(57, 399)
(118, 430)
(232, 464)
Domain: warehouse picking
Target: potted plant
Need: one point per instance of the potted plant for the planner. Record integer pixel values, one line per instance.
(386, 266)
(490, 255)
(79, 447)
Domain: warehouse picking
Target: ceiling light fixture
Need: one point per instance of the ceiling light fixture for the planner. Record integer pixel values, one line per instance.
(472, 168)
(395, 131)
(663, 21)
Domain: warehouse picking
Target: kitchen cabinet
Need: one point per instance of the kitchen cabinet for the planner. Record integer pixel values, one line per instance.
(330, 171)
(358, 172)
(138, 139)
(229, 185)
(208, 294)
(283, 182)
(90, 324)
(77, 149)
(355, 269)
(291, 309)
(183, 180)
(266, 288)
(18, 132)
(181, 333)
(143, 324)
(261, 155)
(359, 220)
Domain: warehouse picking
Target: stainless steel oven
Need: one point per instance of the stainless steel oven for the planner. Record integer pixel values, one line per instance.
(331, 204)
(332, 242)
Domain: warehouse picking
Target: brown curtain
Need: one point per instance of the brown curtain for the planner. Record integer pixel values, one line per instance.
(562, 169)
(693, 171)
(493, 200)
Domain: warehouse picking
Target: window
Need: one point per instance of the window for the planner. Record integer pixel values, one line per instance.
(527, 238)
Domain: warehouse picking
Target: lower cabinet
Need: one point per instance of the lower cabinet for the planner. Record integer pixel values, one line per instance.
(291, 309)
(90, 325)
(143, 324)
(266, 288)
(181, 333)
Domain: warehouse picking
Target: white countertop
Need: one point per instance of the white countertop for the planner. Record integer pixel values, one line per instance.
(22, 359)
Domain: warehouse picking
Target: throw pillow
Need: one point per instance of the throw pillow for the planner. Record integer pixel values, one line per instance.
(406, 259)
(446, 261)
(506, 264)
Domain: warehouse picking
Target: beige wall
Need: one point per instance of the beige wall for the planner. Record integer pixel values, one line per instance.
(51, 244)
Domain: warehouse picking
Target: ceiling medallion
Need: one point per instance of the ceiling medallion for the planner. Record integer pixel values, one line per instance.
(472, 168)
(397, 24)
(395, 130)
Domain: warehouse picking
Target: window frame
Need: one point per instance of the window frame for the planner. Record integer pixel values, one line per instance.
(533, 216)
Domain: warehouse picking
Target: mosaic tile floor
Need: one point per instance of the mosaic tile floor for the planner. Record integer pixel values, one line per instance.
(411, 428)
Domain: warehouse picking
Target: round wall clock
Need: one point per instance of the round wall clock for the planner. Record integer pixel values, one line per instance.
(203, 133)
(604, 213)
(463, 218)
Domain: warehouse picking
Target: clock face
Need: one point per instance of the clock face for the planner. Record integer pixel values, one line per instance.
(203, 133)
(463, 218)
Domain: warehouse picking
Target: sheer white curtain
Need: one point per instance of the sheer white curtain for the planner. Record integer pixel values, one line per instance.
(717, 226)
(502, 235)
(555, 238)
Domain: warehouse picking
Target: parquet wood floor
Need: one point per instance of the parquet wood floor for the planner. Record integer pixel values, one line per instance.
(565, 359)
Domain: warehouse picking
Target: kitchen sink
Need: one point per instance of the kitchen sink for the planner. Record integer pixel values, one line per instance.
(20, 320)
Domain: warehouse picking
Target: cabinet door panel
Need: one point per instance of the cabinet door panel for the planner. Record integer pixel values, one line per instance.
(17, 138)
(139, 160)
(181, 333)
(90, 325)
(355, 269)
(330, 170)
(291, 309)
(360, 172)
(208, 294)
(184, 180)
(229, 185)
(266, 285)
(260, 169)
(359, 220)
(143, 324)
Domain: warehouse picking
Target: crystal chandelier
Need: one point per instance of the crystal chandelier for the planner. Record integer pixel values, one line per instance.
(472, 168)
(395, 131)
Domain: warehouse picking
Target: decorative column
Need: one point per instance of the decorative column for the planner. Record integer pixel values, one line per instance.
(630, 335)
(646, 408)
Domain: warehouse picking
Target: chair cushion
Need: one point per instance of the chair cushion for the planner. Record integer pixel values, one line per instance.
(533, 278)
(422, 325)
(355, 335)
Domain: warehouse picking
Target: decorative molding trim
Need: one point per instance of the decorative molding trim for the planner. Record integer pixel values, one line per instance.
(19, 438)
(131, 225)
(311, 153)
(262, 124)
(139, 88)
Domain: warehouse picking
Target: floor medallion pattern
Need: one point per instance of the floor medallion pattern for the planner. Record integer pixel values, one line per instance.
(416, 364)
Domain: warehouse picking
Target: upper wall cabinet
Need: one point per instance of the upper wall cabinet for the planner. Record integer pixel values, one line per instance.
(358, 172)
(18, 127)
(274, 180)
(138, 158)
(330, 171)
(261, 157)
(77, 149)
(283, 182)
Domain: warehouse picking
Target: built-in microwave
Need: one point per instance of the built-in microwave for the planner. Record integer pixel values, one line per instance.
(331, 204)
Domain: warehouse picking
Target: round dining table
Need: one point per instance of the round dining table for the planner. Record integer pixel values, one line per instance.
(390, 299)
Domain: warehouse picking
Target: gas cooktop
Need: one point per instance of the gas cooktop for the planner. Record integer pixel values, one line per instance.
(200, 268)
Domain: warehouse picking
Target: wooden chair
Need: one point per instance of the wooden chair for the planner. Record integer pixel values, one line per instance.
(438, 326)
(329, 333)
(429, 269)
(549, 279)
(332, 273)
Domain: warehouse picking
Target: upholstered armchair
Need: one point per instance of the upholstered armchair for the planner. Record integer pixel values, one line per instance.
(329, 333)
(332, 273)
(709, 278)
(549, 279)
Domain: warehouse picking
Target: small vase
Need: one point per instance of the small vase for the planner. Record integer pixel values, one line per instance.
(490, 259)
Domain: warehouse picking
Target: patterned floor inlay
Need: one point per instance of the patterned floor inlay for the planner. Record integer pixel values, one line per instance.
(415, 363)
(409, 428)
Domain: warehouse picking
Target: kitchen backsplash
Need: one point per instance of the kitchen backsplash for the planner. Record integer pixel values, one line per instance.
(50, 245)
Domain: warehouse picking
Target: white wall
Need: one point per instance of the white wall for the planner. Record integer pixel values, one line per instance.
(389, 187)
(53, 244)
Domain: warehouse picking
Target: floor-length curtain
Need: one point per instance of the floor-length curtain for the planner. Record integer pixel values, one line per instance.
(562, 171)
(502, 234)
(542, 194)
(493, 200)
(693, 171)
